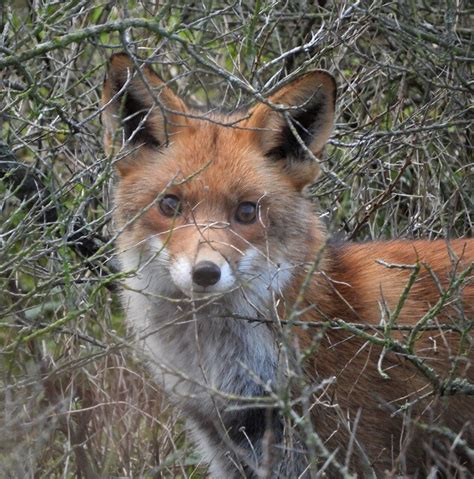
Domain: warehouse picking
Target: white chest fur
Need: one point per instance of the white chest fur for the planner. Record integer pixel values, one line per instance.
(198, 350)
(207, 353)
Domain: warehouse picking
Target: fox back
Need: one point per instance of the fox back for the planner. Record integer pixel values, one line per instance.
(285, 351)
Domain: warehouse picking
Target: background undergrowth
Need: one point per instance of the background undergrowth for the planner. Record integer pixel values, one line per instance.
(75, 399)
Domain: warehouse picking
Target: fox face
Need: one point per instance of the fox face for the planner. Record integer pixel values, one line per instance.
(215, 202)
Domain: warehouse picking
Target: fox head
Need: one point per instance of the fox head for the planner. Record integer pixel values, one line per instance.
(211, 203)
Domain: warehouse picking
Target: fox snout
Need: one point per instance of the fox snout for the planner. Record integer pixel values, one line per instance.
(206, 273)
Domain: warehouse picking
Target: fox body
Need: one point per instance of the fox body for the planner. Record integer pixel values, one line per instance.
(229, 268)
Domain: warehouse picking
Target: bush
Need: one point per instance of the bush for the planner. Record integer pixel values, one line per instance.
(76, 400)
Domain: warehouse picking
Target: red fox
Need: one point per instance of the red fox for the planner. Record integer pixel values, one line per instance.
(290, 355)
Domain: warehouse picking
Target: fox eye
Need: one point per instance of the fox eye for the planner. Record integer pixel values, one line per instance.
(246, 212)
(170, 205)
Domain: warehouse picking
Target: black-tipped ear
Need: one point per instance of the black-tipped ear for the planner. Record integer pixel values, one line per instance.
(310, 102)
(140, 103)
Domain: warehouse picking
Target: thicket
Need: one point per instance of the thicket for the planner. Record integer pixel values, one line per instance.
(75, 398)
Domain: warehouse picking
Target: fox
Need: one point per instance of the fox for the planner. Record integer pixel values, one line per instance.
(290, 354)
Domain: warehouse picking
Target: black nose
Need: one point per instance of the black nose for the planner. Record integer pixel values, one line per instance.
(206, 273)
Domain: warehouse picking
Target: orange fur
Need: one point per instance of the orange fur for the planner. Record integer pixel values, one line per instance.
(358, 289)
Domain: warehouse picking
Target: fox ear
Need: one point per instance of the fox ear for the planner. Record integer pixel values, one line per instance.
(140, 103)
(305, 106)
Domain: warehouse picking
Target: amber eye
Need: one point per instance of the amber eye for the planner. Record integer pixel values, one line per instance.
(170, 205)
(246, 212)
